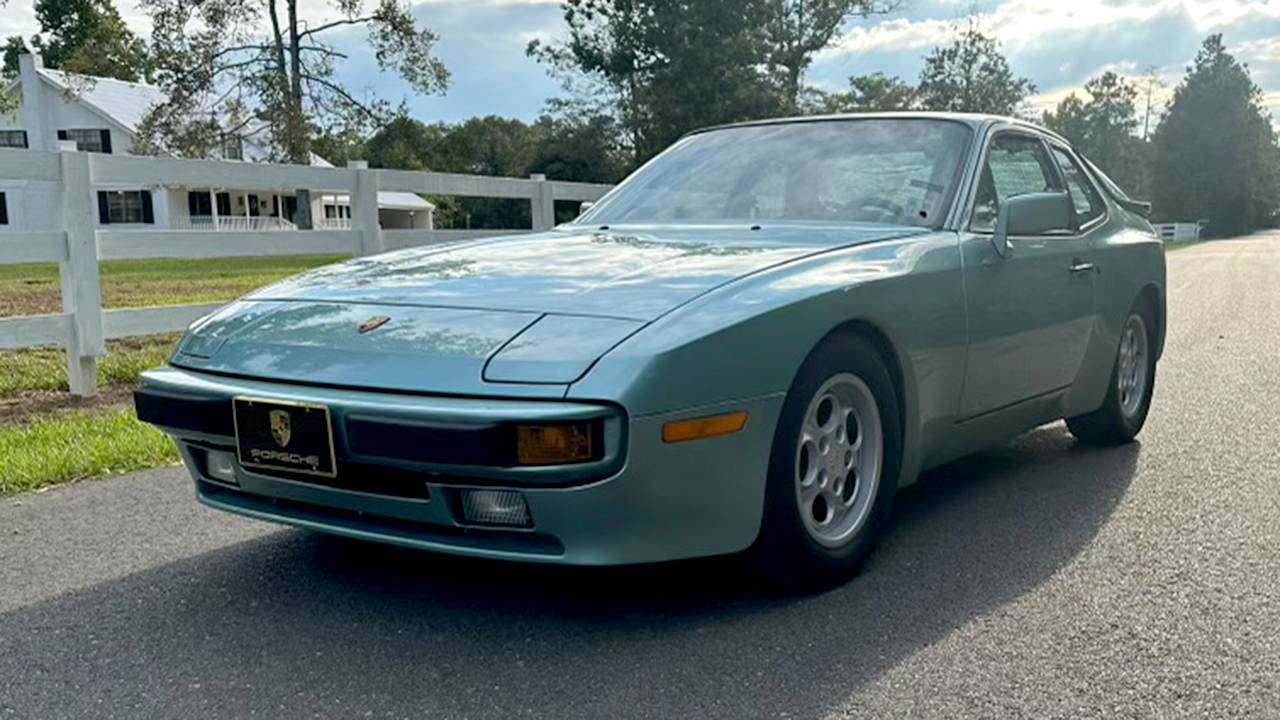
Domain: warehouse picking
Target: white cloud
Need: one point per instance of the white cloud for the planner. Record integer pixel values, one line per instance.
(1271, 101)
(1050, 99)
(1027, 22)
(896, 33)
(1023, 23)
(1161, 93)
(1259, 53)
(18, 19)
(1212, 15)
(528, 36)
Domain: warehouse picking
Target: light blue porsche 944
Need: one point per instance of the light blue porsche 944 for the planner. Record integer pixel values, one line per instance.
(748, 345)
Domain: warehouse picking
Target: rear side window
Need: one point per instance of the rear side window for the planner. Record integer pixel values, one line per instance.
(1107, 183)
(1089, 204)
(1015, 165)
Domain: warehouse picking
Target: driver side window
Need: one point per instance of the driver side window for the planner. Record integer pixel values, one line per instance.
(1015, 165)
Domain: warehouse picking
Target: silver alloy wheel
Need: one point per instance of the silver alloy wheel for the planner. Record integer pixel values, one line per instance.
(838, 459)
(1133, 369)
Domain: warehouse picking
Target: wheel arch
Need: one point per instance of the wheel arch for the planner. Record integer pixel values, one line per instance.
(885, 346)
(1151, 298)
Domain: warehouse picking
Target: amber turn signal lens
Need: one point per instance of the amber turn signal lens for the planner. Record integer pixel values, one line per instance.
(704, 427)
(553, 444)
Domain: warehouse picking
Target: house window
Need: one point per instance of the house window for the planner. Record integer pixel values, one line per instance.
(337, 211)
(127, 206)
(13, 139)
(98, 141)
(199, 204)
(232, 147)
(290, 207)
(4, 210)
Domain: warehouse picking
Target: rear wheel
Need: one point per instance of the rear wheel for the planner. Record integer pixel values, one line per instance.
(1124, 411)
(834, 466)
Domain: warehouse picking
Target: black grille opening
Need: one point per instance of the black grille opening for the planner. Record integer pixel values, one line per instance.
(365, 478)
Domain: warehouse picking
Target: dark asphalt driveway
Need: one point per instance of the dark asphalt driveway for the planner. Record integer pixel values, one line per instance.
(1041, 579)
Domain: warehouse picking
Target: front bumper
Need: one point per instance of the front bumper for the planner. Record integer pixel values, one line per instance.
(645, 501)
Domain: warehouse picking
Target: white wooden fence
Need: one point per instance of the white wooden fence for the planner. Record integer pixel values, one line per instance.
(1178, 232)
(83, 326)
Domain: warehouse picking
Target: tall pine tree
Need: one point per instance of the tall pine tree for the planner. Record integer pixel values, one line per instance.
(1214, 154)
(971, 75)
(1103, 127)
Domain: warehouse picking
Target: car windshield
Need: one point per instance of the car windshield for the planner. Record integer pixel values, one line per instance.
(900, 171)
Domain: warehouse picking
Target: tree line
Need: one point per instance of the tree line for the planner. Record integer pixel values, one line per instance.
(637, 75)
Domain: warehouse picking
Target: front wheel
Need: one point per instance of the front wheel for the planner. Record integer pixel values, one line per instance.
(834, 467)
(1124, 411)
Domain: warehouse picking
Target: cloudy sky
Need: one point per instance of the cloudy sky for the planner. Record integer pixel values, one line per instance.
(1057, 43)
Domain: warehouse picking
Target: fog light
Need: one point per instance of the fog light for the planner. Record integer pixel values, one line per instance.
(220, 466)
(495, 507)
(553, 444)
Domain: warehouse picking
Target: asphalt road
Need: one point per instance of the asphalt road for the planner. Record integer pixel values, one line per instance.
(1038, 580)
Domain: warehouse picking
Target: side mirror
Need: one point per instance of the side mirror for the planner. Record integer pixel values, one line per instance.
(584, 207)
(1048, 213)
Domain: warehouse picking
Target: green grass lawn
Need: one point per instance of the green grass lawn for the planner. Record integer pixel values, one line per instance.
(32, 288)
(48, 436)
(74, 444)
(45, 368)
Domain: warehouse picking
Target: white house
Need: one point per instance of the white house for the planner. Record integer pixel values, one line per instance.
(102, 115)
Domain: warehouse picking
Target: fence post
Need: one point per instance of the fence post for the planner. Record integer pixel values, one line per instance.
(544, 205)
(364, 207)
(78, 274)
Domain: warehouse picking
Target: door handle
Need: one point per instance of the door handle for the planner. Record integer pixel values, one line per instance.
(1079, 266)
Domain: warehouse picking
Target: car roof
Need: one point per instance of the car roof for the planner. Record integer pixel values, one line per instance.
(977, 121)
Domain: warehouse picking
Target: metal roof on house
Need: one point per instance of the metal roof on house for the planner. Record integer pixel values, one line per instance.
(125, 103)
(402, 201)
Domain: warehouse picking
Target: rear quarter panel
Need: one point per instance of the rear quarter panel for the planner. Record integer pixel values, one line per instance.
(1131, 261)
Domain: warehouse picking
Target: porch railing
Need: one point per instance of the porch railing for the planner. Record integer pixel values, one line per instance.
(232, 223)
(332, 223)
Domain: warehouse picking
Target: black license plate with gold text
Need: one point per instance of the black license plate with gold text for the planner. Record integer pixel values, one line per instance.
(279, 435)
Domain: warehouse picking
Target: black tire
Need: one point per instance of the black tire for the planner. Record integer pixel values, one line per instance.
(785, 553)
(1109, 424)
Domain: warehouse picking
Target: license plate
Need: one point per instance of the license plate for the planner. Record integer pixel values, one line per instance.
(281, 435)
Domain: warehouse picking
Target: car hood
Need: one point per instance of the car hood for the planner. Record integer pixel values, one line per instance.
(636, 274)
(526, 311)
